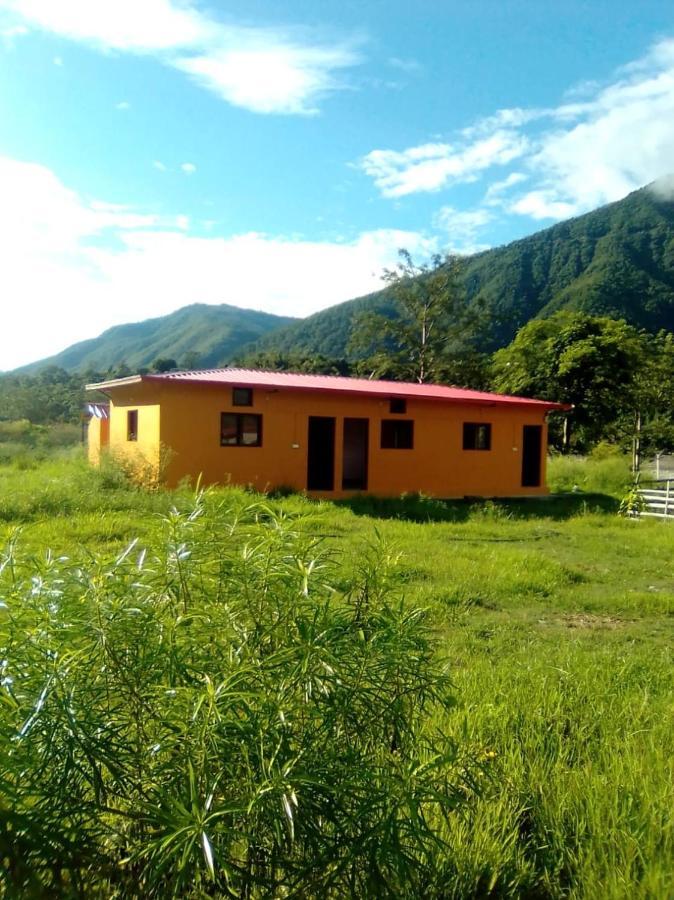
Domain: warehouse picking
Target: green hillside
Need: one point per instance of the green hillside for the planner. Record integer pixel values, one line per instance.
(210, 334)
(617, 261)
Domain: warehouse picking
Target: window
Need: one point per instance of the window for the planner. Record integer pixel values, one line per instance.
(240, 430)
(397, 434)
(397, 405)
(476, 436)
(242, 396)
(132, 425)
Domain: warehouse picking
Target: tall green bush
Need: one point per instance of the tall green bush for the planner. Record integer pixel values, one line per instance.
(216, 715)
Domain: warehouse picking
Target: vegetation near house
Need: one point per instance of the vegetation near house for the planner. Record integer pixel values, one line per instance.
(430, 335)
(620, 380)
(215, 709)
(234, 695)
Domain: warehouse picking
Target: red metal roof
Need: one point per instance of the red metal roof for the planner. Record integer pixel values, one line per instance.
(290, 381)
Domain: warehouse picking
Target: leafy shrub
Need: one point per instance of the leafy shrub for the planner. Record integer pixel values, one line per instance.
(605, 450)
(210, 716)
(608, 474)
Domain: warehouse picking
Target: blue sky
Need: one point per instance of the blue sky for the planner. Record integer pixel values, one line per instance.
(155, 153)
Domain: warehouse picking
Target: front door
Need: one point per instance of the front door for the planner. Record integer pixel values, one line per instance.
(532, 438)
(321, 454)
(354, 467)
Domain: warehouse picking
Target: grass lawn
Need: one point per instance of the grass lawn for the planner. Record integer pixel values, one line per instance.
(557, 619)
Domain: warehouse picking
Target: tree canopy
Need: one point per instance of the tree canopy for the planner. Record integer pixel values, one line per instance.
(432, 331)
(619, 379)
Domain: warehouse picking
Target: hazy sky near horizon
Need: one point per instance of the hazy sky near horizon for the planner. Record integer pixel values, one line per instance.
(275, 155)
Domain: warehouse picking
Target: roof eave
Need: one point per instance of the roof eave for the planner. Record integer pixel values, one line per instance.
(113, 383)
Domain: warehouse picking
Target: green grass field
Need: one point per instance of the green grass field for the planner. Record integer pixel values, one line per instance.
(556, 618)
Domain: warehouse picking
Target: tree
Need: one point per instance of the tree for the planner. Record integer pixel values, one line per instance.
(649, 425)
(589, 361)
(279, 361)
(433, 331)
(163, 364)
(190, 360)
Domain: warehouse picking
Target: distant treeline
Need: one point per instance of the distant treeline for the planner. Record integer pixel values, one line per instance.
(620, 379)
(54, 395)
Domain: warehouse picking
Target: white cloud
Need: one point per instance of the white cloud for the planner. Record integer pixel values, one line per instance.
(152, 25)
(260, 69)
(542, 204)
(618, 139)
(58, 61)
(663, 188)
(496, 190)
(463, 228)
(159, 165)
(430, 167)
(270, 75)
(188, 168)
(597, 145)
(63, 281)
(123, 105)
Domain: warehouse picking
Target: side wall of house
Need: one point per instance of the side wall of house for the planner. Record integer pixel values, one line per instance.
(98, 438)
(142, 455)
(437, 465)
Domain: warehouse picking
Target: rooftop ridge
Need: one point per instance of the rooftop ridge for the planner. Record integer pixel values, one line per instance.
(305, 381)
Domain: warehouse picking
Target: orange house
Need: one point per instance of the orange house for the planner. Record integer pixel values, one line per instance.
(329, 436)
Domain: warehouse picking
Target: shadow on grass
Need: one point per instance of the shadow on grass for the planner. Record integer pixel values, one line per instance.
(419, 508)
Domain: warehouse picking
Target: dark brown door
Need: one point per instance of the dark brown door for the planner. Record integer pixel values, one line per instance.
(354, 466)
(531, 455)
(321, 454)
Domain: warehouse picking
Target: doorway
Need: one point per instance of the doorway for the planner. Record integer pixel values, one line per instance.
(532, 437)
(354, 465)
(321, 454)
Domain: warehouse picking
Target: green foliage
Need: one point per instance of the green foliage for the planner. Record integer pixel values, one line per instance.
(588, 361)
(632, 503)
(163, 364)
(651, 420)
(556, 616)
(52, 395)
(24, 445)
(431, 328)
(276, 361)
(617, 261)
(209, 713)
(603, 474)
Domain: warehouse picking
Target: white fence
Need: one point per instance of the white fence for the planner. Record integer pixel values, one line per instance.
(662, 466)
(658, 499)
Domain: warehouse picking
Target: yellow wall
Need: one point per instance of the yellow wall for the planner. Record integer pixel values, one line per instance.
(142, 455)
(438, 465)
(98, 436)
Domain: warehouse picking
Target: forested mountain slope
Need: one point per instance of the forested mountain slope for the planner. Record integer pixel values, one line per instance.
(210, 335)
(617, 260)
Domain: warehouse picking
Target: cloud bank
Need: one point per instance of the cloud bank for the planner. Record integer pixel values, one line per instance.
(569, 159)
(73, 267)
(282, 71)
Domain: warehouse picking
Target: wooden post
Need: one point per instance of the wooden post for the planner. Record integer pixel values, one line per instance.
(667, 499)
(566, 434)
(636, 443)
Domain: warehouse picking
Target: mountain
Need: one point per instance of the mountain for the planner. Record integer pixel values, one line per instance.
(617, 260)
(212, 334)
